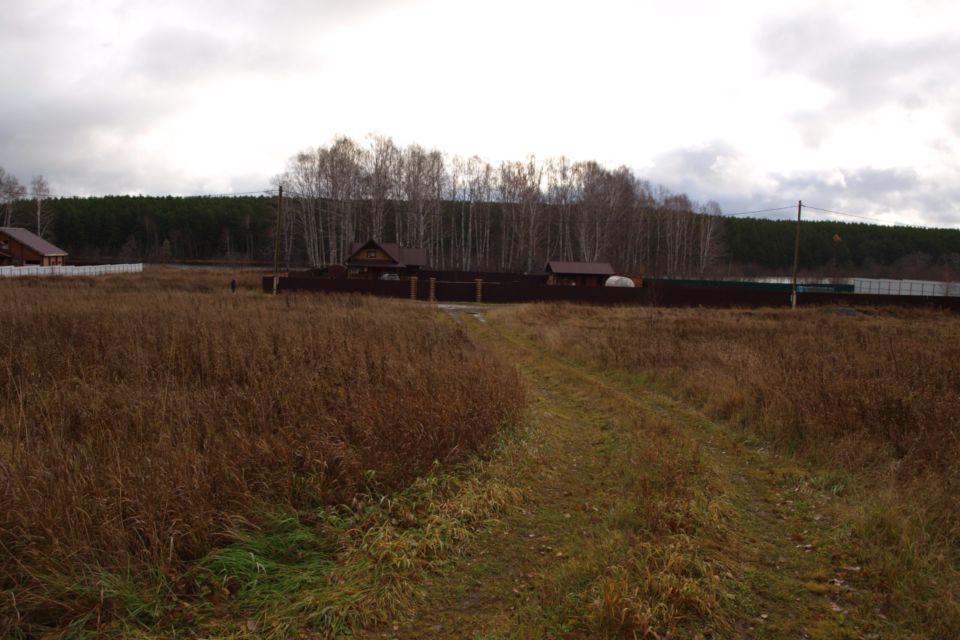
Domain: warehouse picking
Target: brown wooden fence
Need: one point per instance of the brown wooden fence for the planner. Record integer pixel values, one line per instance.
(657, 294)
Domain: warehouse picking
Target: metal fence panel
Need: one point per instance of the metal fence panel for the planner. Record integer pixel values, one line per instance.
(69, 270)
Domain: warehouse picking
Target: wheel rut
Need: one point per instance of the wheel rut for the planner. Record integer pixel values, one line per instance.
(769, 533)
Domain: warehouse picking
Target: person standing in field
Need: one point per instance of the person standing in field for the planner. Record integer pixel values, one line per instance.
(233, 285)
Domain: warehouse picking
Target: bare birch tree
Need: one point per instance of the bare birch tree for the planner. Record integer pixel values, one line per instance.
(40, 191)
(560, 198)
(708, 249)
(480, 190)
(343, 168)
(383, 165)
(471, 215)
(304, 181)
(11, 192)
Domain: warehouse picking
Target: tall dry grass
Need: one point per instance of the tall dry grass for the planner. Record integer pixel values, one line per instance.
(876, 394)
(863, 390)
(140, 415)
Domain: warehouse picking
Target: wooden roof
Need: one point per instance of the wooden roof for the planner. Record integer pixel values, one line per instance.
(579, 268)
(401, 256)
(32, 241)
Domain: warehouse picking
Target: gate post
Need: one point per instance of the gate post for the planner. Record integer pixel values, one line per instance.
(413, 287)
(432, 295)
(479, 286)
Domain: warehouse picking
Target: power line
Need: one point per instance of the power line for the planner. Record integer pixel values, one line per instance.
(843, 213)
(807, 206)
(744, 213)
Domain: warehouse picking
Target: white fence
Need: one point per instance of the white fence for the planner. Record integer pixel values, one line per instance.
(70, 270)
(905, 287)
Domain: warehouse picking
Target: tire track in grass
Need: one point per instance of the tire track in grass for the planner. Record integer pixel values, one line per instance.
(643, 518)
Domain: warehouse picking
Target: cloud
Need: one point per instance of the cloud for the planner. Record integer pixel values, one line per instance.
(842, 187)
(713, 171)
(719, 171)
(102, 98)
(179, 55)
(863, 73)
(893, 194)
(177, 96)
(954, 121)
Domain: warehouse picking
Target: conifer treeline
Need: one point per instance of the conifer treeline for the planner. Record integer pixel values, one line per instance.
(472, 215)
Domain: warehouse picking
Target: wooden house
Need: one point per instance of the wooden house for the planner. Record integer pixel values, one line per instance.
(581, 274)
(21, 247)
(374, 259)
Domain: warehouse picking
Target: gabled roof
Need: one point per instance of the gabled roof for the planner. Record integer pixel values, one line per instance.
(32, 241)
(580, 268)
(401, 256)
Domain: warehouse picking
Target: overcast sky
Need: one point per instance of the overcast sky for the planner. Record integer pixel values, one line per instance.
(853, 106)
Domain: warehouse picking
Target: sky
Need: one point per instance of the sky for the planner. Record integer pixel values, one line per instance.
(851, 106)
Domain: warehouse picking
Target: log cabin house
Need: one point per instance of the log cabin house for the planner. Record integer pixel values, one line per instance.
(20, 247)
(581, 274)
(376, 260)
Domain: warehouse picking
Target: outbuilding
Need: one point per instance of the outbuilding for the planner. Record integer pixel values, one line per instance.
(19, 247)
(372, 259)
(581, 274)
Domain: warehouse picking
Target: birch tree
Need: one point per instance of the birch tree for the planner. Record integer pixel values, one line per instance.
(383, 168)
(470, 215)
(344, 176)
(708, 249)
(480, 190)
(560, 198)
(304, 181)
(40, 191)
(11, 192)
(416, 190)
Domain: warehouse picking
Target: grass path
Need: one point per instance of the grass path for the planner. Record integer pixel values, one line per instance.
(642, 518)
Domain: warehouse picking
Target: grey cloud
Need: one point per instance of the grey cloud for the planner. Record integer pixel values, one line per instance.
(695, 172)
(955, 122)
(60, 132)
(695, 167)
(892, 185)
(863, 74)
(178, 55)
(69, 84)
(894, 180)
(171, 53)
(870, 191)
(859, 190)
(324, 12)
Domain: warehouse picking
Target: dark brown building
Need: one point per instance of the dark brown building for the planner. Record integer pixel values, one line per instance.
(581, 274)
(21, 247)
(374, 259)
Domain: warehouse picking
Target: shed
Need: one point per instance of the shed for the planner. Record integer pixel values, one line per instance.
(19, 246)
(582, 274)
(372, 259)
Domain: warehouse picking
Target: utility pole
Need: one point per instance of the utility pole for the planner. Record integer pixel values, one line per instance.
(796, 257)
(276, 242)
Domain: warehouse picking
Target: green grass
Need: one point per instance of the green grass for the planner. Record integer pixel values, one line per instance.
(329, 571)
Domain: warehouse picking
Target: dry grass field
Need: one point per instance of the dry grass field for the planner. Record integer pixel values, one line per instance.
(177, 460)
(142, 418)
(864, 391)
(873, 395)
